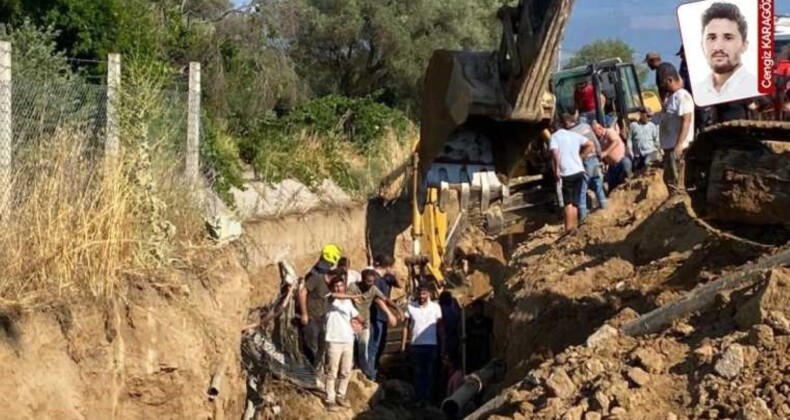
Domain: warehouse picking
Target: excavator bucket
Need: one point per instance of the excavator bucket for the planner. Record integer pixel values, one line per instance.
(506, 85)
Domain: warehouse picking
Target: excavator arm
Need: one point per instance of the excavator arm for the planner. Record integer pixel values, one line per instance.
(482, 158)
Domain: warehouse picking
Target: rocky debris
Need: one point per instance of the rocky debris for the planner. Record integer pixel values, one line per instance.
(649, 359)
(755, 410)
(768, 304)
(592, 415)
(575, 413)
(602, 335)
(731, 362)
(779, 322)
(706, 364)
(560, 384)
(638, 376)
(704, 354)
(761, 336)
(600, 401)
(683, 329)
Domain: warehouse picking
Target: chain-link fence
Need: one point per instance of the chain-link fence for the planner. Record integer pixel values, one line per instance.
(39, 109)
(32, 111)
(92, 176)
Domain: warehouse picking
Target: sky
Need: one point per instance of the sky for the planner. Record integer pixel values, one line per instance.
(646, 25)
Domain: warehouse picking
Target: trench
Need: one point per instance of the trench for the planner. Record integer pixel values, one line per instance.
(378, 227)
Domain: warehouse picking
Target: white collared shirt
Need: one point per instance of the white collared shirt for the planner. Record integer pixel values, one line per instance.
(676, 105)
(741, 84)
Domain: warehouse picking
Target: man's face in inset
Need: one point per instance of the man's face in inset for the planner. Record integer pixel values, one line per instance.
(723, 45)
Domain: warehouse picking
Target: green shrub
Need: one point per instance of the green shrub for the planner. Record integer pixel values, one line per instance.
(219, 157)
(329, 137)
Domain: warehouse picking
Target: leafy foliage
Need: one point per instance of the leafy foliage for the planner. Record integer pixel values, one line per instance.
(604, 49)
(320, 139)
(219, 157)
(36, 57)
(356, 47)
(295, 88)
(601, 49)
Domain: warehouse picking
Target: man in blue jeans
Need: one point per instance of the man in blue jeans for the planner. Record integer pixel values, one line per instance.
(425, 324)
(592, 164)
(378, 319)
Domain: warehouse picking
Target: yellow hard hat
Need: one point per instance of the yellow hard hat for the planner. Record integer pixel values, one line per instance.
(331, 253)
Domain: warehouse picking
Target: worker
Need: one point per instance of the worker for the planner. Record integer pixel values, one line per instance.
(614, 154)
(654, 62)
(340, 331)
(676, 131)
(479, 333)
(313, 304)
(451, 316)
(383, 264)
(370, 295)
(684, 69)
(567, 149)
(423, 334)
(584, 99)
(592, 164)
(643, 135)
(455, 372)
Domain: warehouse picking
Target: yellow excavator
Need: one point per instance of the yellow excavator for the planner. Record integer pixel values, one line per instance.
(482, 159)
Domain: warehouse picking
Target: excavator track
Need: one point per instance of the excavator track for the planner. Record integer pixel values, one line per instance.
(738, 177)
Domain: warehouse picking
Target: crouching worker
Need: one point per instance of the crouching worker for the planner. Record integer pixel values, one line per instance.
(340, 344)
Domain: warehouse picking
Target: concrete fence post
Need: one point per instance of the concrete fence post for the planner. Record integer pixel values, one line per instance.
(193, 125)
(112, 144)
(6, 126)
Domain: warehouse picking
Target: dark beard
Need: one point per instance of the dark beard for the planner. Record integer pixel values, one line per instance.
(725, 68)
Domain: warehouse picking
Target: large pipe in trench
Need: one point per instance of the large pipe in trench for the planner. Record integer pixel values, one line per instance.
(453, 406)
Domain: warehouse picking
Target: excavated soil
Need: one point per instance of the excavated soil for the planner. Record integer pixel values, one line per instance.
(644, 251)
(729, 361)
(150, 355)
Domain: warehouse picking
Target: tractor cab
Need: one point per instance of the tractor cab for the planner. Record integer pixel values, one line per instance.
(618, 96)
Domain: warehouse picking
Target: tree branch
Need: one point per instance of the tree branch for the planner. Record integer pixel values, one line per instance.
(240, 9)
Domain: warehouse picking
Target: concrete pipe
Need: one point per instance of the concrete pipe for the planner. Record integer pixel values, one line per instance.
(454, 405)
(216, 378)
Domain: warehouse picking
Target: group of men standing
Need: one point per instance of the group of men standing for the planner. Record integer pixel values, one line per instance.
(579, 150)
(345, 316)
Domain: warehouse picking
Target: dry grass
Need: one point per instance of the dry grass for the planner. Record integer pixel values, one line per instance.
(74, 225)
(78, 223)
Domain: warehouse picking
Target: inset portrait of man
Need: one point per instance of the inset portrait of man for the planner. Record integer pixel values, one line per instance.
(724, 41)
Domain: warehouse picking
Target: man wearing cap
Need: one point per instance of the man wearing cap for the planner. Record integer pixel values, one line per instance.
(313, 304)
(653, 60)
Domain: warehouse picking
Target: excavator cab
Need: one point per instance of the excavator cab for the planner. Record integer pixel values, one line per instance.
(618, 95)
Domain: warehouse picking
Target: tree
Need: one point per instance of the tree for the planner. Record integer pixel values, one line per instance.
(357, 47)
(601, 49)
(606, 49)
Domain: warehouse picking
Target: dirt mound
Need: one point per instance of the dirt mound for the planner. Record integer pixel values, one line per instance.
(644, 251)
(151, 355)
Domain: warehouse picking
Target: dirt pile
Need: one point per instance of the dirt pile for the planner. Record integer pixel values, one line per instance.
(151, 355)
(729, 361)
